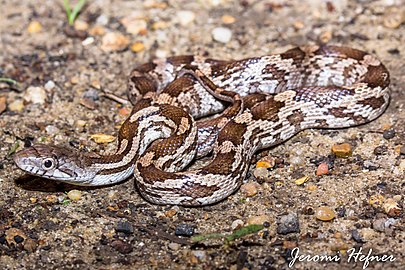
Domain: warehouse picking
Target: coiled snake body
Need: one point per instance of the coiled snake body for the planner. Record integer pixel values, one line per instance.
(272, 98)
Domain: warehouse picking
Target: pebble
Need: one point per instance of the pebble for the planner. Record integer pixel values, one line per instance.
(159, 25)
(3, 105)
(102, 20)
(379, 224)
(161, 53)
(121, 246)
(184, 230)
(258, 220)
(88, 103)
(324, 213)
(342, 150)
(137, 47)
(357, 237)
(102, 138)
(301, 180)
(134, 25)
(237, 224)
(114, 41)
(81, 25)
(267, 162)
(97, 30)
(369, 165)
(174, 246)
(380, 150)
(74, 194)
(185, 17)
(51, 198)
(201, 255)
(288, 224)
(16, 105)
(124, 227)
(12, 233)
(30, 245)
(393, 18)
(376, 200)
(51, 130)
(391, 208)
(34, 27)
(228, 19)
(221, 34)
(261, 173)
(249, 189)
(35, 94)
(298, 25)
(402, 150)
(389, 134)
(172, 212)
(49, 85)
(88, 41)
(92, 93)
(322, 169)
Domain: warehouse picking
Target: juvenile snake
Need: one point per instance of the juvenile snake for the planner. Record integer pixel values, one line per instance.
(271, 98)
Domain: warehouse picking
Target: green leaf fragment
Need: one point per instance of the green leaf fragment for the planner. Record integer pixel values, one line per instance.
(249, 229)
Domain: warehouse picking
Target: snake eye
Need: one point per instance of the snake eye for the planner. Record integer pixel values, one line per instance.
(48, 164)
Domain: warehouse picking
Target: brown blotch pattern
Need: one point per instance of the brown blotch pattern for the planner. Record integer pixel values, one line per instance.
(267, 110)
(373, 102)
(375, 76)
(296, 118)
(232, 132)
(196, 190)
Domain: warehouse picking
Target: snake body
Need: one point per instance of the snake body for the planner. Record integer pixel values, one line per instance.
(259, 102)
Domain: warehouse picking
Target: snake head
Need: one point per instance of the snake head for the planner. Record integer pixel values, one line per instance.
(56, 163)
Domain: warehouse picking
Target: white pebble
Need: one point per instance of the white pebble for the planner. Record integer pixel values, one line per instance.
(102, 20)
(88, 41)
(200, 254)
(74, 194)
(236, 224)
(161, 53)
(222, 34)
(185, 17)
(51, 130)
(35, 94)
(49, 85)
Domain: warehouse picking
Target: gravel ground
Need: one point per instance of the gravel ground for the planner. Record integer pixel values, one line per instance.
(62, 72)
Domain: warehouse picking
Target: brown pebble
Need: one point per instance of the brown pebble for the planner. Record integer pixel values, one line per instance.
(376, 200)
(121, 246)
(172, 212)
(391, 208)
(324, 213)
(3, 104)
(342, 150)
(30, 245)
(228, 19)
(34, 27)
(137, 47)
(114, 41)
(267, 162)
(261, 173)
(12, 232)
(249, 189)
(97, 31)
(322, 169)
(258, 220)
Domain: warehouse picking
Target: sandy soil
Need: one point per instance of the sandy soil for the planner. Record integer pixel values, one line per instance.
(113, 227)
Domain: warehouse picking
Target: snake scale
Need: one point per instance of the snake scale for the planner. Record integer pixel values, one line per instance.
(255, 102)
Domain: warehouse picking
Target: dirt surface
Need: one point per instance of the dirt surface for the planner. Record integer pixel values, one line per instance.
(113, 227)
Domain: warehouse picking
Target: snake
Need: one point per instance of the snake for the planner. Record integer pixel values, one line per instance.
(186, 108)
